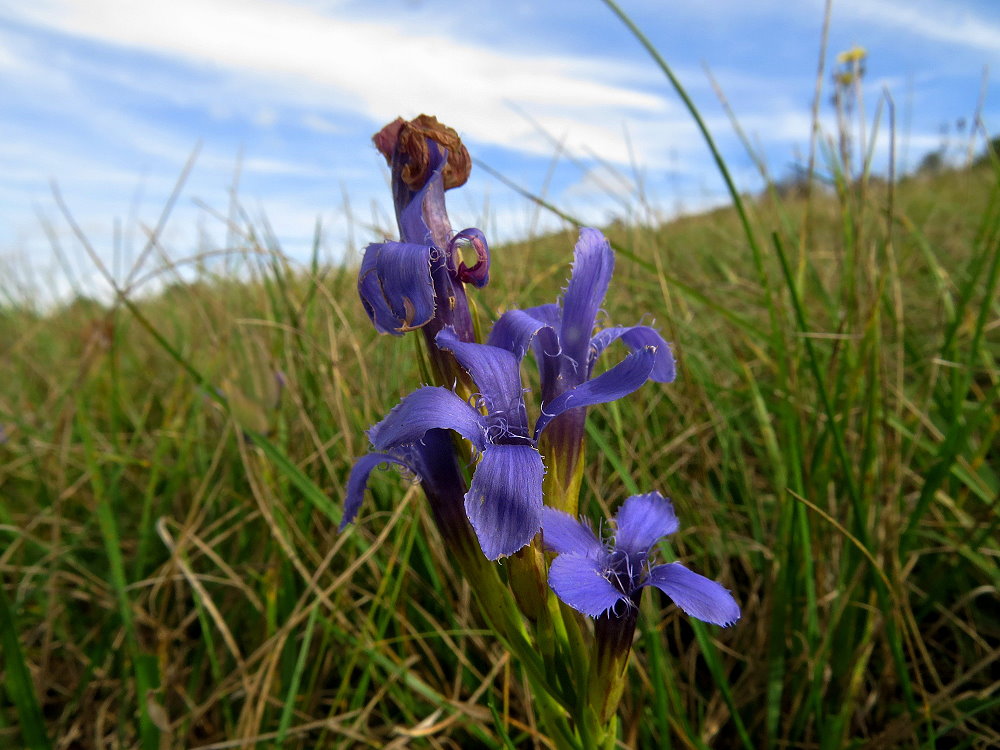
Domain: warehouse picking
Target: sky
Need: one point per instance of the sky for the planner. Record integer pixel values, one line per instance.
(106, 101)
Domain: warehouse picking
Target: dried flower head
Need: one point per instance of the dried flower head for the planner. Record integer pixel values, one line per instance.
(408, 142)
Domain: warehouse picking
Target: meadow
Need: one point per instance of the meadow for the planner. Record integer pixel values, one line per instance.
(172, 470)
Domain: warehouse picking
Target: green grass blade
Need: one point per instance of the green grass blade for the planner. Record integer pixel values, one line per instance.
(293, 685)
(18, 681)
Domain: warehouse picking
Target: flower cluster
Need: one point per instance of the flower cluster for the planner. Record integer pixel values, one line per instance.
(471, 440)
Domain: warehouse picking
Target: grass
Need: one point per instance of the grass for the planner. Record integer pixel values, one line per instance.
(173, 470)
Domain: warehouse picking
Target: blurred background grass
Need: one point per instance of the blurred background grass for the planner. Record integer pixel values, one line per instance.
(172, 471)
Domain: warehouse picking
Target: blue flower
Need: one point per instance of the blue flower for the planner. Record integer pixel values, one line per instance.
(401, 283)
(405, 285)
(594, 576)
(504, 500)
(561, 335)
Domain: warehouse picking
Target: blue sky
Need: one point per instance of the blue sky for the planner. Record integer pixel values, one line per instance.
(109, 98)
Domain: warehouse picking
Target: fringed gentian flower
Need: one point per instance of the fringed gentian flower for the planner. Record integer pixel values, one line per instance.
(561, 334)
(599, 578)
(419, 281)
(604, 580)
(504, 501)
(565, 347)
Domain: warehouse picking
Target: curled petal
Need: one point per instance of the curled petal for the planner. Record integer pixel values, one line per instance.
(395, 286)
(593, 265)
(538, 328)
(497, 375)
(515, 331)
(698, 596)
(370, 292)
(580, 582)
(625, 377)
(505, 499)
(635, 338)
(426, 409)
(358, 481)
(479, 273)
(642, 521)
(567, 535)
(548, 349)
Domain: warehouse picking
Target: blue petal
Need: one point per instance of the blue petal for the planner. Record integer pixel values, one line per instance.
(497, 375)
(395, 286)
(547, 349)
(425, 409)
(564, 534)
(505, 499)
(642, 521)
(370, 292)
(536, 327)
(625, 377)
(433, 459)
(592, 268)
(698, 596)
(358, 481)
(635, 338)
(515, 331)
(580, 582)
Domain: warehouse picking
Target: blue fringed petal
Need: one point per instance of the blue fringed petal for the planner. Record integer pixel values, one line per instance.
(636, 338)
(621, 380)
(581, 582)
(357, 482)
(642, 521)
(593, 265)
(564, 534)
(504, 501)
(497, 375)
(698, 596)
(395, 286)
(515, 331)
(425, 409)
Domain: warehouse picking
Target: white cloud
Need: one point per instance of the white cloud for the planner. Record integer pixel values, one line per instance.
(10, 62)
(378, 69)
(942, 22)
(320, 124)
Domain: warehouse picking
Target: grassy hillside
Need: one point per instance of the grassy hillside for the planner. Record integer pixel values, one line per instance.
(171, 475)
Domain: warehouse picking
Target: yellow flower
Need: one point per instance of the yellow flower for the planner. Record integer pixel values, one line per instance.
(853, 55)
